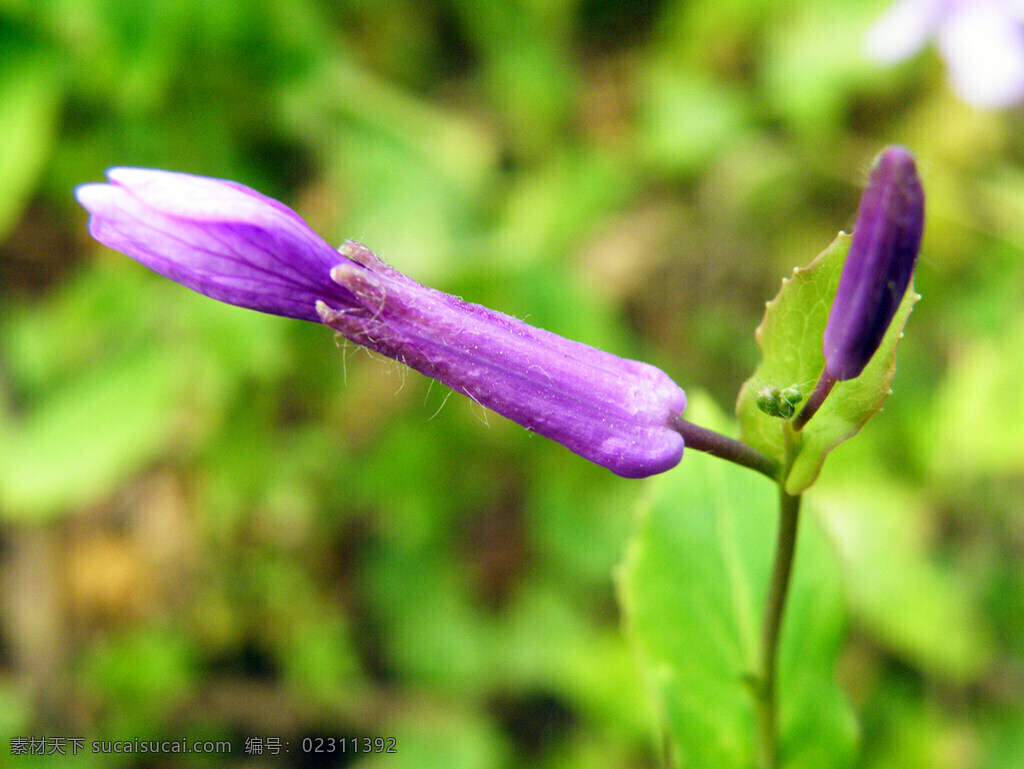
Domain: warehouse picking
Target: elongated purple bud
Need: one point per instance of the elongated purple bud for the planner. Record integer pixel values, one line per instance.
(883, 251)
(235, 245)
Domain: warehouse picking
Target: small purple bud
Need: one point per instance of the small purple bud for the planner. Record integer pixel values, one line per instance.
(883, 251)
(235, 245)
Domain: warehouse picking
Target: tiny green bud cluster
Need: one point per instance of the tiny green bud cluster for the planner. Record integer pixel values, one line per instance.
(779, 403)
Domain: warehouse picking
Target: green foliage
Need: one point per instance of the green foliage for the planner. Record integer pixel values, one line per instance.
(71, 451)
(687, 118)
(790, 339)
(144, 676)
(86, 424)
(694, 585)
(30, 92)
(982, 391)
(893, 588)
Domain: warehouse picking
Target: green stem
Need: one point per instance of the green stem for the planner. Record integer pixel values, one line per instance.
(775, 607)
(789, 518)
(719, 445)
(724, 447)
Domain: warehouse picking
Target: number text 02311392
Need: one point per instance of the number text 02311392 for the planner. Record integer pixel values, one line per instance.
(349, 745)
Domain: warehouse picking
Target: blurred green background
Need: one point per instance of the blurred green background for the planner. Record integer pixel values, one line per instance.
(219, 525)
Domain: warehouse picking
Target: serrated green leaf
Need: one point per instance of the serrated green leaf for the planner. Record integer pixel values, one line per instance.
(790, 340)
(693, 586)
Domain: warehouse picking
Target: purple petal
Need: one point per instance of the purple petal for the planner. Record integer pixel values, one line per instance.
(982, 42)
(216, 237)
(881, 259)
(984, 48)
(904, 29)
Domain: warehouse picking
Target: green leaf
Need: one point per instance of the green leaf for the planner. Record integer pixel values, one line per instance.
(81, 443)
(790, 340)
(974, 427)
(694, 585)
(895, 591)
(442, 735)
(30, 92)
(686, 117)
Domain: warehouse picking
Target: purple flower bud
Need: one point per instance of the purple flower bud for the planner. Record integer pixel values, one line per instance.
(218, 238)
(881, 259)
(235, 245)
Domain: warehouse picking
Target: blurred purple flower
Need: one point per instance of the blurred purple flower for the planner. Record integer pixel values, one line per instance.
(982, 42)
(235, 245)
(883, 251)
